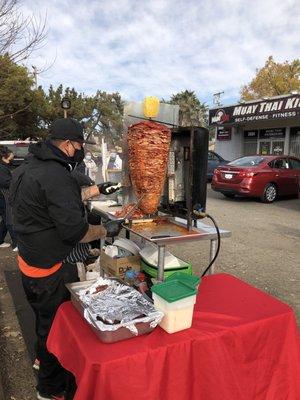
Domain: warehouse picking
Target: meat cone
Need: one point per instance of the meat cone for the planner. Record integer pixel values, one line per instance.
(148, 150)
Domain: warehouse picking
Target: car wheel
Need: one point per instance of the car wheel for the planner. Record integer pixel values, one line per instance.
(270, 193)
(229, 195)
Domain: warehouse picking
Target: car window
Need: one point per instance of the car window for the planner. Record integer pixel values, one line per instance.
(212, 156)
(295, 164)
(281, 163)
(19, 151)
(248, 161)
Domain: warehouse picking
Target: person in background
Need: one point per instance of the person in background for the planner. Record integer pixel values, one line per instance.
(118, 161)
(91, 168)
(6, 157)
(50, 222)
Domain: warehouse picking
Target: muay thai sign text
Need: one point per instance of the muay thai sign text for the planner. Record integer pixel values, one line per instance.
(285, 107)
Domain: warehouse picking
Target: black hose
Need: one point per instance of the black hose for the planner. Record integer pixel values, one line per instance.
(219, 244)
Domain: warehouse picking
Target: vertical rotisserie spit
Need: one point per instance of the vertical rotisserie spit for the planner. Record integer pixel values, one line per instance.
(148, 150)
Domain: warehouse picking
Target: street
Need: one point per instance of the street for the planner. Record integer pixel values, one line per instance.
(263, 250)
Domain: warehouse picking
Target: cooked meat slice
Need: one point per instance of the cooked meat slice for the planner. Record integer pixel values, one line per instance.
(136, 214)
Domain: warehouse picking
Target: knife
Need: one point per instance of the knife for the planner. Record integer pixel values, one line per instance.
(130, 212)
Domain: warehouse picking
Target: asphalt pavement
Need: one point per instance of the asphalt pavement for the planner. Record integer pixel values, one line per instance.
(264, 247)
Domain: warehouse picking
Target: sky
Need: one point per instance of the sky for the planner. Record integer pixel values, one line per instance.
(160, 47)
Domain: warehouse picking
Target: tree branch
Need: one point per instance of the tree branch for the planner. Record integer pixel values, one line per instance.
(16, 112)
(19, 36)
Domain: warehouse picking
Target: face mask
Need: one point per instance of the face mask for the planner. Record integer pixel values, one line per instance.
(78, 156)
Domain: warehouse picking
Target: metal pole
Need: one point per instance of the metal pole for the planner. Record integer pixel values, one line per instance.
(65, 114)
(161, 263)
(213, 249)
(35, 76)
(189, 191)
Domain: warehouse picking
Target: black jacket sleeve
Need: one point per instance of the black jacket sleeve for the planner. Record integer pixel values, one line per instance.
(82, 179)
(65, 207)
(5, 177)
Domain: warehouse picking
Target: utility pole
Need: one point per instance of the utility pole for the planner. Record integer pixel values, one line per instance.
(35, 75)
(217, 99)
(65, 105)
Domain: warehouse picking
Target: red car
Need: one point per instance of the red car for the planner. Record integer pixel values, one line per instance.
(265, 177)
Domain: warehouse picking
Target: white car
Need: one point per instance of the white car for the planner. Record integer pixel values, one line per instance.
(19, 148)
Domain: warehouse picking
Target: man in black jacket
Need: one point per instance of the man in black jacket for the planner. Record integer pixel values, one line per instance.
(49, 219)
(6, 157)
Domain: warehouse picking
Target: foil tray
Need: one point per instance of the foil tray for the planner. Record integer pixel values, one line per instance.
(105, 336)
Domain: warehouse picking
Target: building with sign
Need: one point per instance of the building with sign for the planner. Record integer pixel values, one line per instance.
(266, 126)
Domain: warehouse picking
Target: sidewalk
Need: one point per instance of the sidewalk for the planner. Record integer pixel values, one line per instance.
(18, 380)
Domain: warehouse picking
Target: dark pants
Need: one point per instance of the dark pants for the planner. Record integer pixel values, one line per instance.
(45, 295)
(4, 227)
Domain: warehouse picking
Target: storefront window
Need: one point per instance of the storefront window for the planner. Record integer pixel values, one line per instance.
(271, 146)
(250, 147)
(264, 141)
(250, 142)
(295, 142)
(265, 148)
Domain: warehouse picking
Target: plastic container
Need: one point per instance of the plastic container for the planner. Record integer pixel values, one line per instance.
(149, 254)
(176, 300)
(128, 245)
(191, 280)
(91, 275)
(151, 270)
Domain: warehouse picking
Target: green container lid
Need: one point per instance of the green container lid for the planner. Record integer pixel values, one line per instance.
(173, 290)
(152, 271)
(191, 280)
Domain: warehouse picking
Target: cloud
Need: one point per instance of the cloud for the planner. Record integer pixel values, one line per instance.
(160, 47)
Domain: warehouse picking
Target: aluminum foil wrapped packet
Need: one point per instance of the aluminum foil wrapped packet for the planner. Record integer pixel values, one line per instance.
(110, 305)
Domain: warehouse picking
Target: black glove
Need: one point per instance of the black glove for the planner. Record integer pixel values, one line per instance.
(108, 187)
(113, 228)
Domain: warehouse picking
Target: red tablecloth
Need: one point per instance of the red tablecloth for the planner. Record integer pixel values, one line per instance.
(243, 345)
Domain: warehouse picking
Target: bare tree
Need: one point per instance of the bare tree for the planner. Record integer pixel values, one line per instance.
(19, 35)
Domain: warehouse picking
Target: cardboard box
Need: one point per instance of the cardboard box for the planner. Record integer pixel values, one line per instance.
(118, 266)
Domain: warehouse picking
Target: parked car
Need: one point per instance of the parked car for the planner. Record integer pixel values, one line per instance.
(266, 177)
(214, 161)
(19, 148)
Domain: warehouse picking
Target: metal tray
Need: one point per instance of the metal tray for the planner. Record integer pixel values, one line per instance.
(165, 230)
(104, 211)
(105, 336)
